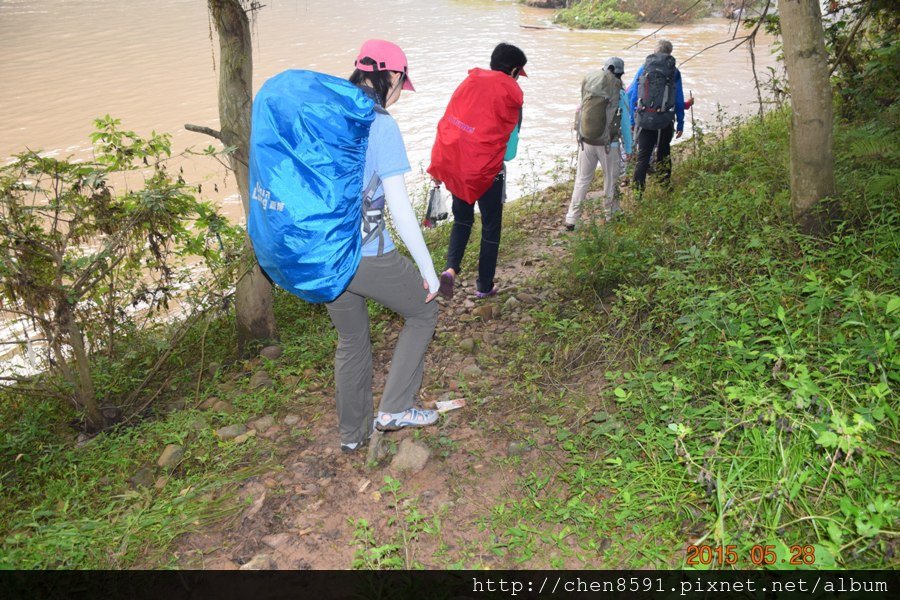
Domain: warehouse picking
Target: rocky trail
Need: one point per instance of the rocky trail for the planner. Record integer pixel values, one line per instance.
(413, 498)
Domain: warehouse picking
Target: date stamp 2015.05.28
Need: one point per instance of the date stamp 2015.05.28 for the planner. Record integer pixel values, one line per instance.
(759, 555)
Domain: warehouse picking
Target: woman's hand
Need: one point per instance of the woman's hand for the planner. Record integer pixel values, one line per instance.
(431, 296)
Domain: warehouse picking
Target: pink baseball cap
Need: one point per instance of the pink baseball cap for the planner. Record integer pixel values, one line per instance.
(387, 56)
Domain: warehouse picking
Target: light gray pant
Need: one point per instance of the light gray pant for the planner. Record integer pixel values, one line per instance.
(610, 163)
(393, 281)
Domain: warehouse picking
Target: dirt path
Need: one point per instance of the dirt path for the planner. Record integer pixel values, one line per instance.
(308, 511)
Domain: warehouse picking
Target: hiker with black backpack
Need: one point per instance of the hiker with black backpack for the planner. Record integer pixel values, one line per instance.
(602, 119)
(657, 102)
(326, 161)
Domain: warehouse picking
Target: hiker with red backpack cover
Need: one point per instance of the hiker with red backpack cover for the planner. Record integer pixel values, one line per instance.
(657, 101)
(478, 131)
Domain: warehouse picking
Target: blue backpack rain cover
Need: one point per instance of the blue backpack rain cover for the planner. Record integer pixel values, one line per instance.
(307, 154)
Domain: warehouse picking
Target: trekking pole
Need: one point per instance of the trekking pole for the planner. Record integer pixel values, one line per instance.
(693, 129)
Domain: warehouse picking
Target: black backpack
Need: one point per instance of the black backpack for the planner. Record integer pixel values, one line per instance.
(656, 93)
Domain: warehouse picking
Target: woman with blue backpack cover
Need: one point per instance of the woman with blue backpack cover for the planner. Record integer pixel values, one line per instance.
(326, 159)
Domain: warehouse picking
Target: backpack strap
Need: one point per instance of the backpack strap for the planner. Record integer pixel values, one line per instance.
(373, 208)
(373, 214)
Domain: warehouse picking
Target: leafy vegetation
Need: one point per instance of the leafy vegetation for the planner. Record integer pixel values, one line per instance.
(749, 393)
(68, 505)
(611, 14)
(596, 15)
(89, 259)
(713, 377)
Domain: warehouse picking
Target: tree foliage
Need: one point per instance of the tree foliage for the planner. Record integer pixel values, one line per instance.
(87, 257)
(626, 14)
(862, 41)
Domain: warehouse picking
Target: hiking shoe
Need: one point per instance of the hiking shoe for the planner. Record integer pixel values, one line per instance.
(481, 295)
(413, 417)
(570, 227)
(352, 447)
(446, 287)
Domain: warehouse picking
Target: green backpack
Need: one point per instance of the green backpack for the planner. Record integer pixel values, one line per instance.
(600, 120)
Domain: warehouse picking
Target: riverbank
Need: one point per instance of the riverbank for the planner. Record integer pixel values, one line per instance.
(695, 373)
(614, 14)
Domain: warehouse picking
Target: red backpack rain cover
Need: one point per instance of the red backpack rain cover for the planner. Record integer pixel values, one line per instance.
(473, 133)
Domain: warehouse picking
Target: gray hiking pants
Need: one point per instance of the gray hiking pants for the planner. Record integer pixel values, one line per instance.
(610, 162)
(393, 281)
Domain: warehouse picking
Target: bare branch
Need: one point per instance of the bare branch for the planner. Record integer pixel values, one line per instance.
(205, 130)
(737, 22)
(750, 36)
(853, 33)
(666, 24)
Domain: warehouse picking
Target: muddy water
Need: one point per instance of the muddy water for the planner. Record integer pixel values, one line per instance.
(152, 65)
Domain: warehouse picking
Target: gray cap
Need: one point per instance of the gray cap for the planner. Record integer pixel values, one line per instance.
(616, 63)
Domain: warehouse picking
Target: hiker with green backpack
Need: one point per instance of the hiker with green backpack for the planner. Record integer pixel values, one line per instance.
(600, 122)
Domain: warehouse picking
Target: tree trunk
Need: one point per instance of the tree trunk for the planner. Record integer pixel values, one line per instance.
(253, 295)
(812, 157)
(85, 397)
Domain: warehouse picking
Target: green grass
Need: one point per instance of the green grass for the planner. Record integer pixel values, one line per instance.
(749, 393)
(63, 506)
(745, 392)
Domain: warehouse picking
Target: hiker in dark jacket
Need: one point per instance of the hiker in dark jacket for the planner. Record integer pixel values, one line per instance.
(657, 116)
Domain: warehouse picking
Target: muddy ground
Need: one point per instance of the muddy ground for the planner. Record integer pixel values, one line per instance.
(304, 512)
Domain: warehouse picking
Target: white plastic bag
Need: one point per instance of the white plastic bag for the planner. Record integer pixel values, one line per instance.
(436, 209)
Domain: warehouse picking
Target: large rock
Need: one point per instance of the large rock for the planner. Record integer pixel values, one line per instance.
(244, 436)
(517, 449)
(263, 423)
(545, 3)
(231, 431)
(411, 456)
(378, 447)
(171, 456)
(271, 352)
(277, 540)
(291, 420)
(223, 406)
(260, 562)
(485, 311)
(471, 371)
(143, 478)
(467, 345)
(260, 379)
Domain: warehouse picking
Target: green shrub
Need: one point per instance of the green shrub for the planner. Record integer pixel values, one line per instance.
(602, 14)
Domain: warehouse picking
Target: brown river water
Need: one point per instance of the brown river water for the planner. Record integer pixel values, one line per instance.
(152, 65)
